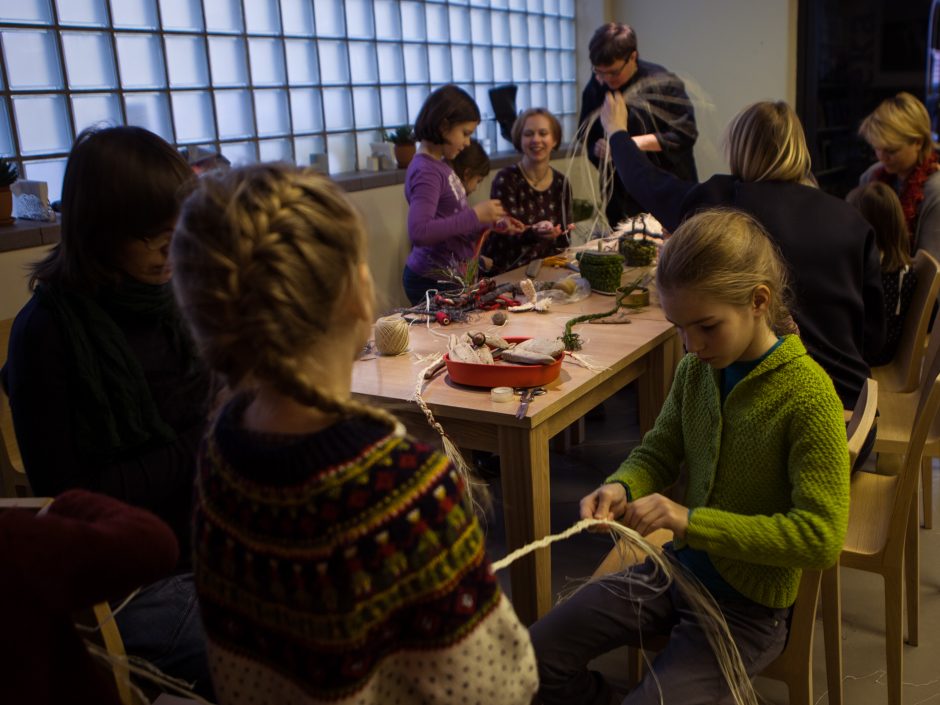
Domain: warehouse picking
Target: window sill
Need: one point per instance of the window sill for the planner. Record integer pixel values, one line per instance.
(364, 180)
(23, 234)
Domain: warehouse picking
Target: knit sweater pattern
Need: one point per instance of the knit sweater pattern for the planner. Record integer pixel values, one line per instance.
(347, 566)
(768, 470)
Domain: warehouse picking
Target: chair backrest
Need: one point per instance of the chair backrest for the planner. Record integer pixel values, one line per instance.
(13, 481)
(863, 418)
(904, 371)
(928, 406)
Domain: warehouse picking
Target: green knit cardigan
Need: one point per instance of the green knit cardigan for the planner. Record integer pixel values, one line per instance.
(768, 471)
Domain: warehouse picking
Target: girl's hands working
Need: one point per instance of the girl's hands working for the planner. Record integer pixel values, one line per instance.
(643, 515)
(654, 511)
(606, 502)
(489, 211)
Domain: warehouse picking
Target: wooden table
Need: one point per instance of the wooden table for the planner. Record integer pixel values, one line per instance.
(645, 350)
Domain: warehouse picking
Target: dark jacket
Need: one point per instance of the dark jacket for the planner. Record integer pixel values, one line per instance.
(671, 120)
(159, 477)
(830, 250)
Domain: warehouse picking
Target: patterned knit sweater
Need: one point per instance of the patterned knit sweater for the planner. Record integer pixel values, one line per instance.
(768, 472)
(346, 566)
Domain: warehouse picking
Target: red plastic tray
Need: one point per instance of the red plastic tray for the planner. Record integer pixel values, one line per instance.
(502, 374)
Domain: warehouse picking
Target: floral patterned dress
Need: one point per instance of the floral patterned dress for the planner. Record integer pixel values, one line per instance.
(531, 206)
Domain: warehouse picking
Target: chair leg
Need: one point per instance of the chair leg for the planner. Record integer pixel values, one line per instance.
(634, 667)
(926, 490)
(911, 576)
(894, 616)
(832, 632)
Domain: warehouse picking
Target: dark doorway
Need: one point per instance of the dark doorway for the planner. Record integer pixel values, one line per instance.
(851, 55)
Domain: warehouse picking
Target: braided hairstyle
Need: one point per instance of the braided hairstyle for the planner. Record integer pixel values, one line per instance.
(262, 255)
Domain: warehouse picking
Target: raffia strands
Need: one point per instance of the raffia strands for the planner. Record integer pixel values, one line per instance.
(391, 335)
(475, 489)
(145, 670)
(667, 573)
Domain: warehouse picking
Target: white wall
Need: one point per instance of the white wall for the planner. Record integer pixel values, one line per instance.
(730, 53)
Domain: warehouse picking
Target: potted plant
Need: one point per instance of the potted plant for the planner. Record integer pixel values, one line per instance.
(8, 174)
(404, 140)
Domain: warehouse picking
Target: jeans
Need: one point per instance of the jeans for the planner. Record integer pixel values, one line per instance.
(163, 626)
(595, 620)
(416, 286)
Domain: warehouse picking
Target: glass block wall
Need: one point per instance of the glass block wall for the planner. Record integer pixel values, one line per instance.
(267, 79)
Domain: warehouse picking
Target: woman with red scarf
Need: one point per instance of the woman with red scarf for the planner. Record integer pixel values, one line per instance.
(899, 132)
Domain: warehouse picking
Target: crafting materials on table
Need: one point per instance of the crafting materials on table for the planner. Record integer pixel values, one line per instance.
(603, 270)
(501, 395)
(525, 398)
(502, 375)
(391, 335)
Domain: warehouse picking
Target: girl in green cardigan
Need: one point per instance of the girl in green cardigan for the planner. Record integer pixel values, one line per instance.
(760, 430)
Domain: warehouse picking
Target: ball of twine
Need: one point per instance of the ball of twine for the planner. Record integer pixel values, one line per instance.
(391, 335)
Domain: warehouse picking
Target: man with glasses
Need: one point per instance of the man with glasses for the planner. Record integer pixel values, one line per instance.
(661, 117)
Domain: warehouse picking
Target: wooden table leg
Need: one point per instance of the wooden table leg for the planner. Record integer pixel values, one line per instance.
(653, 385)
(523, 457)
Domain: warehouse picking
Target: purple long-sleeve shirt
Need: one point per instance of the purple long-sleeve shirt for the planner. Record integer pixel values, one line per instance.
(441, 226)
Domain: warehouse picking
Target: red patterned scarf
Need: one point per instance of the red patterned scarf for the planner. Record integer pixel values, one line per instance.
(912, 192)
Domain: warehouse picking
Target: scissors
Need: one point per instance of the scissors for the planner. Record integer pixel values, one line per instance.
(526, 396)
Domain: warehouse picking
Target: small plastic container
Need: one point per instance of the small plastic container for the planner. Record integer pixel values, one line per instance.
(501, 395)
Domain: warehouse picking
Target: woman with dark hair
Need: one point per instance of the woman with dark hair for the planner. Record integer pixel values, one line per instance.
(105, 387)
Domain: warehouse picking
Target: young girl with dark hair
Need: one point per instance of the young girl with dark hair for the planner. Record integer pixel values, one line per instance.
(442, 226)
(879, 205)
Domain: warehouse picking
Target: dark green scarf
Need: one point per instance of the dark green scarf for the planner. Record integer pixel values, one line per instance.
(112, 409)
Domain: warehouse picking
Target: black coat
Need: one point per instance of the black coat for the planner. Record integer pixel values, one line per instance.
(830, 250)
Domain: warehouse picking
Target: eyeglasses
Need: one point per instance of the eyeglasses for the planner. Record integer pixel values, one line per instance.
(158, 241)
(610, 73)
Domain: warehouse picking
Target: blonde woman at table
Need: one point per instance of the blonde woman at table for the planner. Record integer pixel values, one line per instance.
(336, 559)
(533, 192)
(827, 246)
(899, 131)
(759, 427)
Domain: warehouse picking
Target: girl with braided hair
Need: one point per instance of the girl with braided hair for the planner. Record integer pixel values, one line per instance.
(336, 559)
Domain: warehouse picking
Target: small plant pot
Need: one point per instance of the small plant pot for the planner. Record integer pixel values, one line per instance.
(404, 153)
(6, 205)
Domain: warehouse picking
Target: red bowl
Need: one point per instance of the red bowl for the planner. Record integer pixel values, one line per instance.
(502, 374)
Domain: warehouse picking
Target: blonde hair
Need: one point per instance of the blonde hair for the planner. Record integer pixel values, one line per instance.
(261, 257)
(519, 125)
(897, 122)
(765, 142)
(725, 254)
(880, 206)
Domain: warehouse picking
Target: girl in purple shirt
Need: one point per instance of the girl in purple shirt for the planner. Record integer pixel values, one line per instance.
(442, 226)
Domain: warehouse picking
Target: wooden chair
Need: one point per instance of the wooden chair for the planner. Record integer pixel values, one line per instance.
(794, 665)
(896, 420)
(882, 538)
(13, 480)
(903, 373)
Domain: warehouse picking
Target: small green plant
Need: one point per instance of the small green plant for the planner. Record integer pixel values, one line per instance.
(8, 172)
(401, 135)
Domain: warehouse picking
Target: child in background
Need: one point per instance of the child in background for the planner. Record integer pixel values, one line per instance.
(336, 559)
(442, 227)
(880, 206)
(760, 429)
(471, 165)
